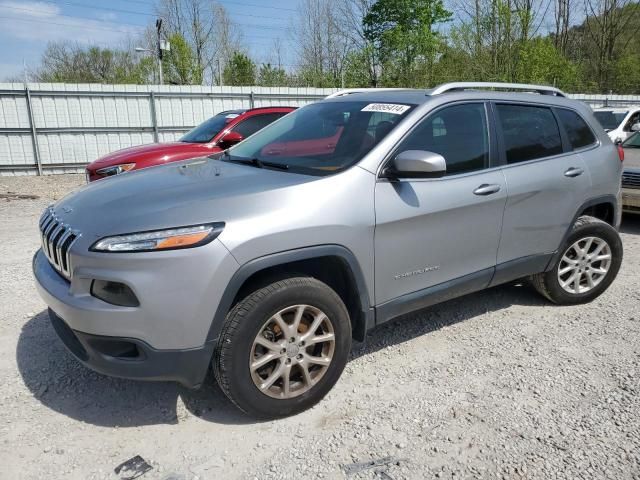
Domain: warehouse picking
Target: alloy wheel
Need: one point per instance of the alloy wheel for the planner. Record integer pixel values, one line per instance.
(292, 351)
(584, 265)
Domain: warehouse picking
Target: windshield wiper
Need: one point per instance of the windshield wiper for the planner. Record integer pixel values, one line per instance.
(255, 162)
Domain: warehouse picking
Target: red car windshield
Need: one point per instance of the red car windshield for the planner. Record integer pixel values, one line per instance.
(208, 129)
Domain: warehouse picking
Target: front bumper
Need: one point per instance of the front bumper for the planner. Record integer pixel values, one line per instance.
(631, 200)
(134, 359)
(165, 337)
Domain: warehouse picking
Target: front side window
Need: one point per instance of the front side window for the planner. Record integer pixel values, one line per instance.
(459, 133)
(579, 133)
(609, 119)
(529, 132)
(208, 129)
(322, 138)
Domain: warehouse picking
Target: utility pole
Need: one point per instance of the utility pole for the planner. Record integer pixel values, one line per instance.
(219, 71)
(159, 39)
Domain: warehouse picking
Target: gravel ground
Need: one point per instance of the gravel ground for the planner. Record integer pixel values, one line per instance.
(499, 384)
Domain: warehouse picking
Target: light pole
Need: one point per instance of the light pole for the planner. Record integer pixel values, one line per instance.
(152, 52)
(161, 47)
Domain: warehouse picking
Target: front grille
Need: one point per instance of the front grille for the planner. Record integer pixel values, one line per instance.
(631, 179)
(57, 239)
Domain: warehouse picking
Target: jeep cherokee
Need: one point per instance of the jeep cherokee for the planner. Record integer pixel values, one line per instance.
(265, 261)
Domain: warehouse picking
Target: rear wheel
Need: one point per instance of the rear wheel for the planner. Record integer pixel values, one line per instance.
(283, 347)
(589, 262)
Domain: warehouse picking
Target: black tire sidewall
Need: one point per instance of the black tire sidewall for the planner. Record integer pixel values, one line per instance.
(239, 341)
(597, 229)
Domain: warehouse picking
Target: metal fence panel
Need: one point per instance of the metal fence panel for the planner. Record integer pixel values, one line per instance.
(73, 124)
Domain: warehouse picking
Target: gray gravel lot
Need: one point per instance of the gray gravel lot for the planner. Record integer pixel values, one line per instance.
(499, 384)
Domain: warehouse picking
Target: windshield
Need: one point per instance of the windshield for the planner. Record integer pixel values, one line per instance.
(322, 138)
(633, 141)
(208, 129)
(609, 119)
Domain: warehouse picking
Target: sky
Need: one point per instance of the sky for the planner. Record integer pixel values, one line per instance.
(27, 26)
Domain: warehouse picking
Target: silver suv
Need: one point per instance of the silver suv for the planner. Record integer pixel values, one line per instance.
(265, 261)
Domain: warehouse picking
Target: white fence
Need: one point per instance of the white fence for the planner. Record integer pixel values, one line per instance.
(55, 128)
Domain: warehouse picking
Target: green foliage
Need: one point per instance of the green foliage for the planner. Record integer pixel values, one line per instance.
(403, 32)
(239, 71)
(540, 62)
(270, 76)
(70, 63)
(180, 66)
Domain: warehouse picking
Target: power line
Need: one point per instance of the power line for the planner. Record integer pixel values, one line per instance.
(98, 20)
(224, 2)
(81, 5)
(48, 22)
(266, 27)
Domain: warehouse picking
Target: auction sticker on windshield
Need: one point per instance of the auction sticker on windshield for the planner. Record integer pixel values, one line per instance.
(386, 108)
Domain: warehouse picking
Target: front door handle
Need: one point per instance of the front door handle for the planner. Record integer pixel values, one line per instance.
(487, 189)
(573, 172)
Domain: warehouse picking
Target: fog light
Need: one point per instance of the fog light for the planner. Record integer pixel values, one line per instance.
(115, 293)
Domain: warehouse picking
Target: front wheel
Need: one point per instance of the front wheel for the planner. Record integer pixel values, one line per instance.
(590, 260)
(283, 347)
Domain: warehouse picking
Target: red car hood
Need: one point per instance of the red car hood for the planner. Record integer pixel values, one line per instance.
(154, 152)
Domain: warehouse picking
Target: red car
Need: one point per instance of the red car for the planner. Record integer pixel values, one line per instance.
(214, 135)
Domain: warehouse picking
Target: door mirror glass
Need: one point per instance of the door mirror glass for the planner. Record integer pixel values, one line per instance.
(635, 127)
(229, 140)
(417, 164)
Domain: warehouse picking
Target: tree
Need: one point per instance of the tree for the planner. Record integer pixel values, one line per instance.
(72, 63)
(240, 70)
(403, 32)
(607, 34)
(362, 63)
(270, 76)
(322, 48)
(207, 28)
(180, 64)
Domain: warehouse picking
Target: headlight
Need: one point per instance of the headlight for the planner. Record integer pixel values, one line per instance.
(115, 169)
(170, 239)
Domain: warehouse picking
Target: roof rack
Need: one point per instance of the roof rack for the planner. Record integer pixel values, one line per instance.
(458, 86)
(349, 91)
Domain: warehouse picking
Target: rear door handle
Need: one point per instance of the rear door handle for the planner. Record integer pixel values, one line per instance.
(487, 189)
(573, 172)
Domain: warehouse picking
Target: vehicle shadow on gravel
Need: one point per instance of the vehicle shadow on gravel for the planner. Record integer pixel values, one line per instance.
(630, 224)
(64, 385)
(442, 315)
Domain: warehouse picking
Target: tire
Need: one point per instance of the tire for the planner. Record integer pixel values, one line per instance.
(578, 289)
(256, 320)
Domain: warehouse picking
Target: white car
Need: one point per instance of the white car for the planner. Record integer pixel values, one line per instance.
(619, 123)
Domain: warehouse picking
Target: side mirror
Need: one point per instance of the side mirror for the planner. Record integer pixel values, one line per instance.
(635, 127)
(229, 140)
(416, 164)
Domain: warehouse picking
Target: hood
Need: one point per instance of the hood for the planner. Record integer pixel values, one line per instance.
(150, 150)
(177, 194)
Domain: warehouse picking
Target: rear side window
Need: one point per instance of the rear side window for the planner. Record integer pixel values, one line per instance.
(580, 135)
(529, 132)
